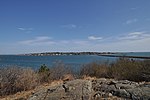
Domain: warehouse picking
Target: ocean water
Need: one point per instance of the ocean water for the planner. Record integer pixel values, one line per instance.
(36, 61)
(72, 60)
(139, 54)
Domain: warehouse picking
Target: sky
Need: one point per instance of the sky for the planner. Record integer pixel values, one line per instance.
(29, 26)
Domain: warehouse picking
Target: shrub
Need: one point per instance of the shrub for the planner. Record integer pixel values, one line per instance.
(94, 70)
(130, 70)
(145, 70)
(14, 79)
(43, 68)
(44, 74)
(123, 68)
(58, 70)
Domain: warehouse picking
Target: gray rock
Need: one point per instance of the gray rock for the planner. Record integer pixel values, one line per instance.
(125, 86)
(95, 90)
(71, 90)
(140, 93)
(122, 93)
(111, 88)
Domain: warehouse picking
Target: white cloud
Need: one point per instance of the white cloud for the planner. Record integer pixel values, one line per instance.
(22, 29)
(136, 33)
(42, 40)
(26, 30)
(131, 21)
(94, 38)
(70, 26)
(135, 36)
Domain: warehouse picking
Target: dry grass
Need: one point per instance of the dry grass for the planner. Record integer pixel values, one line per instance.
(23, 95)
(128, 69)
(56, 72)
(94, 70)
(68, 77)
(59, 70)
(15, 79)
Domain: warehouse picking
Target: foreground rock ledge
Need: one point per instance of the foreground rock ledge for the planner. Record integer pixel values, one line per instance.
(95, 89)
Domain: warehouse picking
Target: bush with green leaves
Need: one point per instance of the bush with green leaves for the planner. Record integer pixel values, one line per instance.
(44, 74)
(43, 68)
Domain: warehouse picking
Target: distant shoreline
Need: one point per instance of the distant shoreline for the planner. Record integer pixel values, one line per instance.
(107, 54)
(68, 53)
(126, 56)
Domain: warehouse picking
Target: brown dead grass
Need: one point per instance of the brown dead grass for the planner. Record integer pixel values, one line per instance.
(68, 77)
(16, 79)
(88, 78)
(26, 94)
(122, 69)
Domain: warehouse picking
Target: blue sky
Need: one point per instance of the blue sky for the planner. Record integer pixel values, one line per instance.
(74, 25)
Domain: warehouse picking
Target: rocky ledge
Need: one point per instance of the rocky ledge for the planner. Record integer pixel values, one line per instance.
(95, 89)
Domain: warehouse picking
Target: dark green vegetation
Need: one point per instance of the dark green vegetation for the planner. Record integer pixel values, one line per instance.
(15, 79)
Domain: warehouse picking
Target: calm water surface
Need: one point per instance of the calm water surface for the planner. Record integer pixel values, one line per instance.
(36, 61)
(74, 60)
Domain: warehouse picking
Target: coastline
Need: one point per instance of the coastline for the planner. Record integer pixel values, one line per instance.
(140, 57)
(106, 54)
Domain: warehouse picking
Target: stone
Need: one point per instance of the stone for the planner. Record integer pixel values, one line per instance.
(142, 93)
(96, 89)
(122, 93)
(125, 86)
(110, 95)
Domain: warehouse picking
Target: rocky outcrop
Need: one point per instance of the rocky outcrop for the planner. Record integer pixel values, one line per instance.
(71, 90)
(124, 89)
(95, 89)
